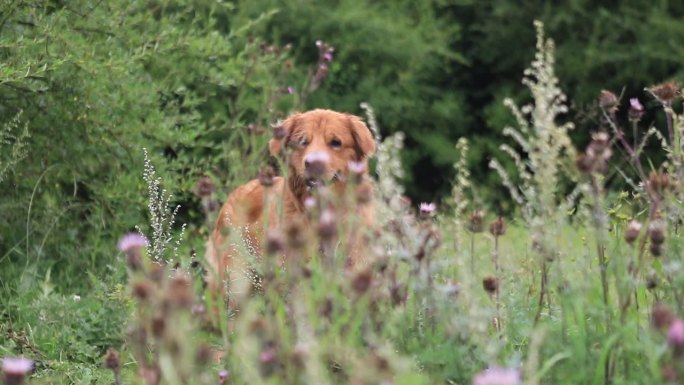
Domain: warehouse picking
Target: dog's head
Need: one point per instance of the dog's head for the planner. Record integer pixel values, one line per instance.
(323, 143)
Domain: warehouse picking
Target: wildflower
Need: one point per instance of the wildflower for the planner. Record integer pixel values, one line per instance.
(426, 210)
(15, 369)
(267, 356)
(633, 230)
(490, 284)
(316, 163)
(132, 241)
(497, 376)
(223, 377)
(608, 101)
(327, 225)
(656, 230)
(356, 167)
(266, 176)
(661, 316)
(476, 225)
(309, 202)
(275, 242)
(76, 298)
(666, 92)
(132, 244)
(328, 56)
(290, 90)
(675, 334)
(111, 360)
(498, 227)
(656, 249)
(636, 110)
(204, 187)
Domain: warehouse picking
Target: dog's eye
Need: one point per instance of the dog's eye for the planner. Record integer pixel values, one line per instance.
(303, 142)
(335, 143)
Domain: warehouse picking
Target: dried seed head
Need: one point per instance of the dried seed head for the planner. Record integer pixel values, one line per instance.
(490, 284)
(266, 176)
(204, 354)
(608, 101)
(111, 359)
(476, 223)
(295, 233)
(498, 227)
(362, 281)
(651, 282)
(326, 308)
(204, 187)
(632, 231)
(279, 131)
(364, 193)
(659, 182)
(158, 325)
(661, 316)
(179, 292)
(156, 272)
(142, 290)
(584, 163)
(666, 92)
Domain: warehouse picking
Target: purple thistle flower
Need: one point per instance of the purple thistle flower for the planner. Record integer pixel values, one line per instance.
(356, 167)
(497, 376)
(427, 208)
(17, 366)
(328, 56)
(290, 90)
(636, 109)
(132, 241)
(675, 336)
(223, 377)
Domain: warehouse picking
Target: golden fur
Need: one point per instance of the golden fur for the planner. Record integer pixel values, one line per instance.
(343, 137)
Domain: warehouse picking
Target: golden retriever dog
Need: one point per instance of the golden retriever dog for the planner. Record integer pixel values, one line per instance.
(320, 148)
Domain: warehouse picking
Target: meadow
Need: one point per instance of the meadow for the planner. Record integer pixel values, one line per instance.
(574, 283)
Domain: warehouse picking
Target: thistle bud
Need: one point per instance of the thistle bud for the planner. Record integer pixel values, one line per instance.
(426, 210)
(327, 225)
(661, 316)
(204, 187)
(279, 131)
(632, 231)
(362, 281)
(179, 292)
(656, 231)
(636, 110)
(608, 101)
(675, 335)
(111, 360)
(498, 227)
(275, 242)
(476, 225)
(490, 284)
(266, 176)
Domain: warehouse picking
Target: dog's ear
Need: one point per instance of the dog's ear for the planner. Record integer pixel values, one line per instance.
(281, 134)
(364, 143)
